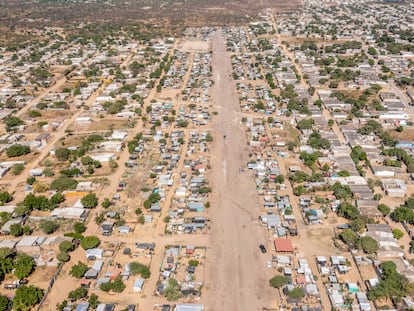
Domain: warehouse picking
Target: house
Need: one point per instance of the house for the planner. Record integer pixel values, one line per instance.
(189, 307)
(36, 172)
(138, 285)
(30, 244)
(388, 246)
(124, 229)
(114, 146)
(105, 307)
(94, 253)
(107, 228)
(83, 121)
(405, 144)
(395, 188)
(43, 138)
(83, 306)
(103, 157)
(70, 213)
(119, 135)
(283, 245)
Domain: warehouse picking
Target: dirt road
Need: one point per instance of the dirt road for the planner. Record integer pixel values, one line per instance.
(237, 278)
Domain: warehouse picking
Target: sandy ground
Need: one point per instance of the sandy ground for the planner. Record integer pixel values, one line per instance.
(190, 46)
(239, 279)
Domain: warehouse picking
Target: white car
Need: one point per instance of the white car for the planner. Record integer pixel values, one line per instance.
(269, 264)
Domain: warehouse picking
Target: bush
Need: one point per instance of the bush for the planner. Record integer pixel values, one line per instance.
(4, 303)
(78, 293)
(79, 227)
(26, 297)
(17, 150)
(63, 183)
(384, 209)
(66, 246)
(106, 287)
(17, 169)
(193, 263)
(278, 281)
(172, 292)
(90, 242)
(5, 197)
(62, 154)
(74, 235)
(369, 245)
(78, 270)
(137, 268)
(23, 265)
(16, 230)
(49, 226)
(89, 201)
(63, 257)
(397, 233)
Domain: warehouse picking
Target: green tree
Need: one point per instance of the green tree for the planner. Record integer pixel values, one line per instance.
(78, 293)
(26, 297)
(93, 301)
(79, 227)
(4, 303)
(397, 233)
(106, 203)
(78, 270)
(63, 257)
(17, 169)
(305, 124)
(296, 293)
(118, 285)
(23, 265)
(106, 287)
(62, 154)
(89, 242)
(384, 209)
(66, 246)
(57, 198)
(368, 244)
(349, 237)
(49, 226)
(172, 292)
(32, 202)
(16, 230)
(63, 183)
(11, 122)
(278, 281)
(89, 201)
(137, 268)
(5, 197)
(17, 150)
(31, 180)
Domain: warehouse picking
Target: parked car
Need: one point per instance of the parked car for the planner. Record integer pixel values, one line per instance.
(262, 248)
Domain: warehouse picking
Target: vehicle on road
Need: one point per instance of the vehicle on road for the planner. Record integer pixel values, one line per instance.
(262, 248)
(269, 264)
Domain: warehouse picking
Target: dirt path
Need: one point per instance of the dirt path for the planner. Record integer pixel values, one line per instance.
(237, 278)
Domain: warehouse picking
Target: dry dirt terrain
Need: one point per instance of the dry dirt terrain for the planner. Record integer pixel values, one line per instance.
(237, 278)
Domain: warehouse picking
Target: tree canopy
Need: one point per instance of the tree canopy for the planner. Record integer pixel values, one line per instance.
(26, 297)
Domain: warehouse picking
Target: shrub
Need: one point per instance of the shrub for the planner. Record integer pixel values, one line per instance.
(66, 246)
(49, 226)
(90, 242)
(63, 257)
(17, 150)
